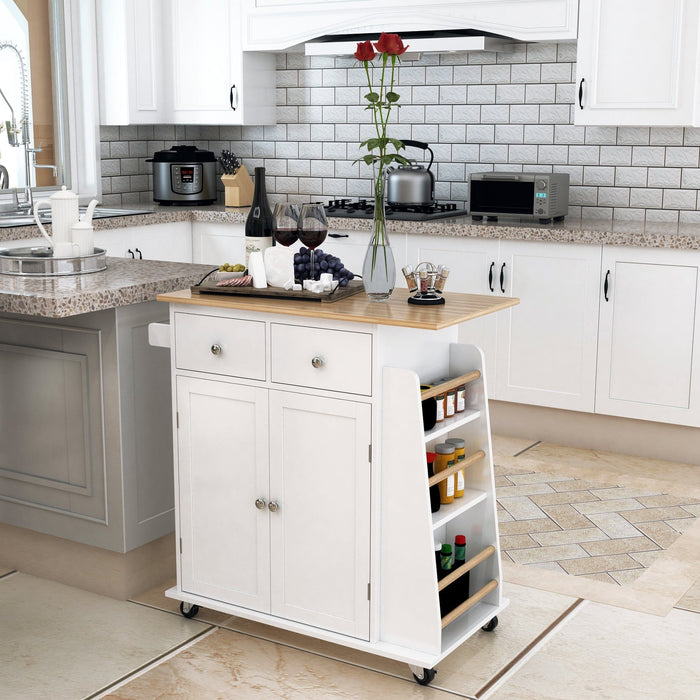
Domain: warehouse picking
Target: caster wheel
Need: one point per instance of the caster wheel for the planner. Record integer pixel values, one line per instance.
(428, 675)
(188, 610)
(491, 625)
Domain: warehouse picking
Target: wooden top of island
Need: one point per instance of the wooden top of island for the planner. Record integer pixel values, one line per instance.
(358, 308)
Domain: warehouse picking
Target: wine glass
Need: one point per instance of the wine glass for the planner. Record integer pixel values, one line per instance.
(313, 228)
(286, 223)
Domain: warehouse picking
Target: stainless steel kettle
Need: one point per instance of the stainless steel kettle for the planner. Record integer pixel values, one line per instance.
(411, 185)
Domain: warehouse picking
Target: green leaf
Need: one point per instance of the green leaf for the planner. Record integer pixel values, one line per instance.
(387, 159)
(369, 159)
(397, 143)
(372, 96)
(392, 97)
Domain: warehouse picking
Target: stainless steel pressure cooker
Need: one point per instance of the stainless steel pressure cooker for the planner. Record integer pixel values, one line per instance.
(411, 185)
(184, 175)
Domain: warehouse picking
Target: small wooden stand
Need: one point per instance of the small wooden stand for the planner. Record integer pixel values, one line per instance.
(239, 188)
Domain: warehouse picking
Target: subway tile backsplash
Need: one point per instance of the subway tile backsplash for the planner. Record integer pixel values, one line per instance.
(511, 111)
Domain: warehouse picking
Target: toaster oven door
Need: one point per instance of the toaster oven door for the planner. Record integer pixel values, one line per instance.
(502, 197)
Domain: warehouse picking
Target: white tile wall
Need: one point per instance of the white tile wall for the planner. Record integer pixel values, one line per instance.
(481, 111)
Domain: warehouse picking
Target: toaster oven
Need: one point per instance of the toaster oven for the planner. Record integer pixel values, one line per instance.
(533, 196)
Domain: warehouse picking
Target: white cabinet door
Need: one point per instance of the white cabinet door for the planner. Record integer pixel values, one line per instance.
(648, 350)
(547, 344)
(637, 62)
(320, 532)
(222, 471)
(171, 242)
(215, 244)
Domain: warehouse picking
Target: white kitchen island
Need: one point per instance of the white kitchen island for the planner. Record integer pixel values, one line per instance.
(302, 494)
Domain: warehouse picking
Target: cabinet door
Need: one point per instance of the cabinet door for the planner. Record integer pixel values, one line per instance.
(171, 242)
(547, 344)
(648, 354)
(222, 470)
(319, 535)
(214, 244)
(637, 62)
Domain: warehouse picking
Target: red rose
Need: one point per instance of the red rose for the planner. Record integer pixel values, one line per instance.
(365, 52)
(391, 44)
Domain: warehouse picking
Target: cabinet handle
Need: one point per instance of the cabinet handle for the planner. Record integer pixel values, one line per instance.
(606, 286)
(131, 252)
(260, 503)
(493, 264)
(503, 267)
(139, 252)
(580, 93)
(216, 349)
(273, 507)
(317, 362)
(232, 94)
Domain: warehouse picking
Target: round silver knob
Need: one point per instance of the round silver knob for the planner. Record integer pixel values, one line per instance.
(216, 349)
(274, 507)
(317, 362)
(541, 185)
(260, 503)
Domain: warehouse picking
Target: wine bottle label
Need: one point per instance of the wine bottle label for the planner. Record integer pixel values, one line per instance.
(255, 244)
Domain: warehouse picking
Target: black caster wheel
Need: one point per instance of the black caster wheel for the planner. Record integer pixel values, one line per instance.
(491, 625)
(428, 675)
(188, 610)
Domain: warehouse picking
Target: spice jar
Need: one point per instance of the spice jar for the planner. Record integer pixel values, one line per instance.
(460, 403)
(450, 399)
(444, 459)
(440, 400)
(459, 448)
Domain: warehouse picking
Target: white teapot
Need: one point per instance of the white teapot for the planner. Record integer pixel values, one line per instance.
(64, 213)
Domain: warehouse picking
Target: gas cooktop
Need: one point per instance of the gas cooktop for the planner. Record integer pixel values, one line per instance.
(364, 209)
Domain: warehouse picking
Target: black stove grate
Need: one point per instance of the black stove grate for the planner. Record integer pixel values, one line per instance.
(364, 209)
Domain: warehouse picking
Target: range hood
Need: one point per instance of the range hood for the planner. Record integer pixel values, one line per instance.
(448, 41)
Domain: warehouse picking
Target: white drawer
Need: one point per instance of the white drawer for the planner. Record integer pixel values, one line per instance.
(218, 345)
(322, 359)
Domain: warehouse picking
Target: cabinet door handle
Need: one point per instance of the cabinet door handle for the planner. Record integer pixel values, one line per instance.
(493, 264)
(216, 349)
(317, 362)
(503, 267)
(273, 507)
(232, 94)
(580, 93)
(131, 252)
(260, 503)
(606, 286)
(136, 250)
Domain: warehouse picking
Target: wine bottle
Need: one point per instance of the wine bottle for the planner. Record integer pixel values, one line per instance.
(259, 224)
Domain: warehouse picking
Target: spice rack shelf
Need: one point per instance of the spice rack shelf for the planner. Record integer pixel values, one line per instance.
(452, 423)
(450, 511)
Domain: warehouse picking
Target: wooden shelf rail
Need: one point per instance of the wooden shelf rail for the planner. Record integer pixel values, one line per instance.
(451, 384)
(466, 462)
(468, 603)
(467, 566)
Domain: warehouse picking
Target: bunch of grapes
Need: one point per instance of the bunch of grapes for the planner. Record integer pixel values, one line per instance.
(323, 262)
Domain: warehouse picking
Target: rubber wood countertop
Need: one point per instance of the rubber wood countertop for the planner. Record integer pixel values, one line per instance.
(358, 308)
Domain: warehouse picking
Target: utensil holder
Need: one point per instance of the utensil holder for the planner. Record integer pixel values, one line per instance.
(239, 188)
(427, 279)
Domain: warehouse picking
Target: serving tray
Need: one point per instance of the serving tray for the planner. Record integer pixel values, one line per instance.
(353, 287)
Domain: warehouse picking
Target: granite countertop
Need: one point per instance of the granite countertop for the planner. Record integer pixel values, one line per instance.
(124, 282)
(624, 233)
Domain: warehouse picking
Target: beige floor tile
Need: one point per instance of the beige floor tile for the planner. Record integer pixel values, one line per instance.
(693, 509)
(61, 642)
(575, 485)
(614, 525)
(664, 500)
(605, 653)
(509, 446)
(625, 545)
(616, 492)
(626, 576)
(522, 490)
(682, 524)
(4, 570)
(508, 470)
(594, 565)
(604, 577)
(539, 477)
(521, 508)
(502, 481)
(553, 499)
(504, 516)
(547, 566)
(647, 558)
(578, 536)
(691, 600)
(664, 535)
(517, 541)
(567, 517)
(518, 527)
(555, 553)
(595, 507)
(650, 514)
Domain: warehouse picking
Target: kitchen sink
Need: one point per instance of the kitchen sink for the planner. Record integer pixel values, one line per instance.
(9, 218)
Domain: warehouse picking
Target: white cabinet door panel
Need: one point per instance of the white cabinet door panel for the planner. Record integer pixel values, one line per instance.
(223, 469)
(648, 347)
(215, 244)
(547, 344)
(319, 536)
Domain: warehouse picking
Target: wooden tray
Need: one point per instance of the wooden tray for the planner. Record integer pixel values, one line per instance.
(354, 287)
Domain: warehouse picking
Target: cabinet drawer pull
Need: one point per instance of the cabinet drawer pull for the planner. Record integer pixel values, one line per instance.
(493, 264)
(216, 349)
(274, 507)
(233, 98)
(317, 362)
(260, 503)
(503, 267)
(580, 93)
(606, 286)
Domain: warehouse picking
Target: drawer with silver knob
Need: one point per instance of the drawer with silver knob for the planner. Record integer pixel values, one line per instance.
(321, 359)
(218, 345)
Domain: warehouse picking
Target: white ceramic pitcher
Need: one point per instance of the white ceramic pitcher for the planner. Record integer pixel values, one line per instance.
(64, 213)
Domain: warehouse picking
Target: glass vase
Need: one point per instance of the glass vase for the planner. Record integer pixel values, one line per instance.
(379, 268)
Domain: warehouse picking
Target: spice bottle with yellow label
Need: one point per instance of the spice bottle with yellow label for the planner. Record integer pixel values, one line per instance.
(444, 459)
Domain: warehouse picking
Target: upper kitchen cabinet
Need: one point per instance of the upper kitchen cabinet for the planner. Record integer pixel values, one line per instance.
(273, 25)
(184, 65)
(637, 63)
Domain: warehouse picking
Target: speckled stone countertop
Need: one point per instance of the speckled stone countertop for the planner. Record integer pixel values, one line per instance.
(625, 233)
(124, 282)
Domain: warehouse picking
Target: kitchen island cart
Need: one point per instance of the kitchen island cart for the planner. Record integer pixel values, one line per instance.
(302, 489)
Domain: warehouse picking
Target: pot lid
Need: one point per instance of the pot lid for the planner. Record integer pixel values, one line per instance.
(182, 154)
(63, 193)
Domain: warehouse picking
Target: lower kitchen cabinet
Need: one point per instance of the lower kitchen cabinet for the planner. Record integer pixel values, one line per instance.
(215, 244)
(648, 355)
(171, 242)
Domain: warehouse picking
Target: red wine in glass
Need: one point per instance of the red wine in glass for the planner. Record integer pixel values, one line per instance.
(285, 223)
(313, 228)
(286, 236)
